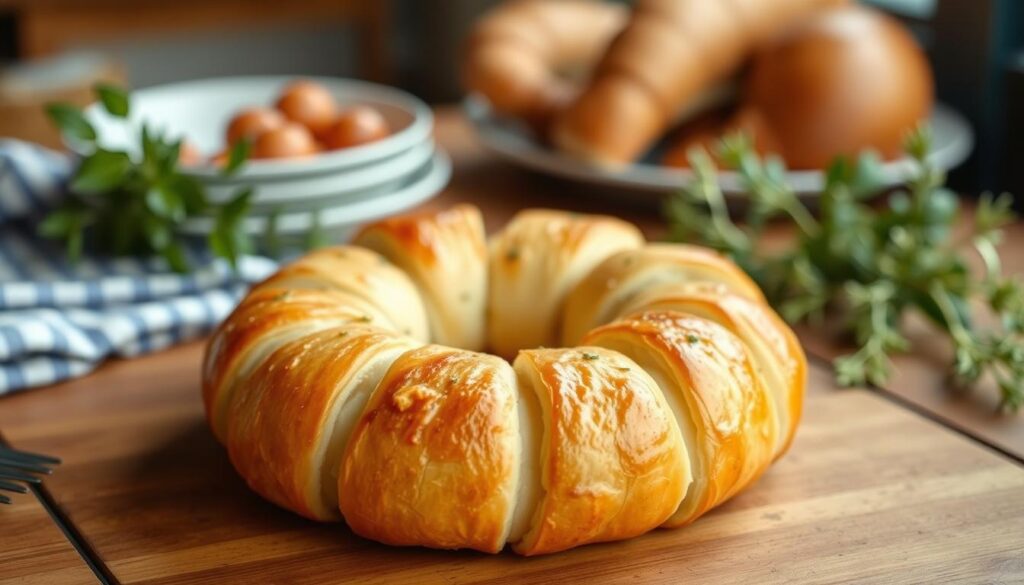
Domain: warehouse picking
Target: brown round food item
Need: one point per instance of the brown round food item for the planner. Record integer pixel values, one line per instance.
(356, 125)
(839, 82)
(219, 159)
(290, 140)
(252, 122)
(188, 154)
(309, 104)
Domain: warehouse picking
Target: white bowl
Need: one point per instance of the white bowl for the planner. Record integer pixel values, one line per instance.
(200, 110)
(342, 219)
(348, 184)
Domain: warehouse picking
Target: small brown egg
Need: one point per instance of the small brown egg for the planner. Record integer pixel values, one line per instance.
(252, 122)
(290, 140)
(188, 154)
(309, 104)
(220, 159)
(356, 125)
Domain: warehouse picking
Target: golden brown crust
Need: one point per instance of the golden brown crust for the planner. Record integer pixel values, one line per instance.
(599, 297)
(445, 255)
(434, 459)
(362, 273)
(535, 261)
(263, 321)
(612, 463)
(287, 431)
(726, 415)
(772, 346)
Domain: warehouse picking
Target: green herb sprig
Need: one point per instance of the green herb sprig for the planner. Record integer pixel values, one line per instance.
(869, 265)
(123, 206)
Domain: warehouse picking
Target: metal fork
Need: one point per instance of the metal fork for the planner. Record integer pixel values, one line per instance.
(22, 466)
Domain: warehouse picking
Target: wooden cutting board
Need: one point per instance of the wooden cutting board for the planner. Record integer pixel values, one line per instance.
(870, 492)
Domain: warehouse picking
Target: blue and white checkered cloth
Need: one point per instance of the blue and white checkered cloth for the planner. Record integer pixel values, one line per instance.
(59, 321)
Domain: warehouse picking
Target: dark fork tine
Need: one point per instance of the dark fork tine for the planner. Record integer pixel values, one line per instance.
(24, 465)
(4, 499)
(13, 487)
(8, 473)
(8, 453)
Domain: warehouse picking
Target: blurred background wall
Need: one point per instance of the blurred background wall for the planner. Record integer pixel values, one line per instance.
(976, 46)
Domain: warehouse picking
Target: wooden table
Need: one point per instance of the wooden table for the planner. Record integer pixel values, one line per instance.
(877, 488)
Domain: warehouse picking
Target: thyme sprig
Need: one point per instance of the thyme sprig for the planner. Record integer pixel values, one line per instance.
(869, 265)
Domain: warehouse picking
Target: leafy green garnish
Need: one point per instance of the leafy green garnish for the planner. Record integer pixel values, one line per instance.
(101, 172)
(317, 236)
(228, 238)
(113, 98)
(870, 265)
(71, 122)
(237, 156)
(128, 207)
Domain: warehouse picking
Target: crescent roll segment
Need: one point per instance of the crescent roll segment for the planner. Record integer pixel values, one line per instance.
(434, 459)
(612, 462)
(600, 297)
(287, 432)
(726, 416)
(536, 260)
(265, 320)
(516, 54)
(445, 255)
(362, 273)
(772, 346)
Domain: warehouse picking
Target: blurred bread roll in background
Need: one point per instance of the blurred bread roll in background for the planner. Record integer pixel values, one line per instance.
(706, 131)
(837, 83)
(669, 53)
(528, 57)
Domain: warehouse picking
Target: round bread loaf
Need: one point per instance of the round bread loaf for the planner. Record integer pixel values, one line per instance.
(840, 82)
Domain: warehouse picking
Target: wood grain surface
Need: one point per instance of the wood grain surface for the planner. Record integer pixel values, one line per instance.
(33, 550)
(920, 377)
(872, 491)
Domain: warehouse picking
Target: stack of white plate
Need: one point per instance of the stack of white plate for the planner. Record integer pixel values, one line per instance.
(336, 191)
(952, 141)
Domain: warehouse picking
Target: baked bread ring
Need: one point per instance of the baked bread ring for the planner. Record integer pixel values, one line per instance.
(331, 406)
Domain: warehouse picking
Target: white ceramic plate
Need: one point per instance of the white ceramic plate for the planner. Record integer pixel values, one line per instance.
(341, 219)
(347, 184)
(200, 110)
(952, 143)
